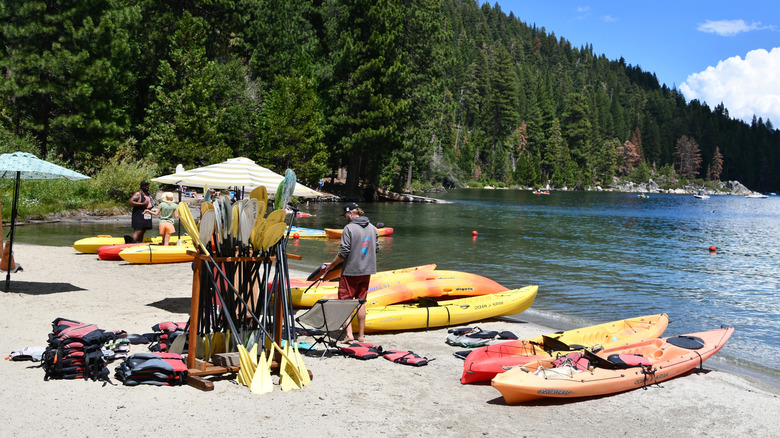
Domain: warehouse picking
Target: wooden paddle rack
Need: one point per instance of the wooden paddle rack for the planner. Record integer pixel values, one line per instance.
(197, 368)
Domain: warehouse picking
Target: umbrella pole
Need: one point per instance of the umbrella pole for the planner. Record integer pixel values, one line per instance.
(11, 237)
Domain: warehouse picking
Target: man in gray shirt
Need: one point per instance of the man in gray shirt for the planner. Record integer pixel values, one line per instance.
(359, 245)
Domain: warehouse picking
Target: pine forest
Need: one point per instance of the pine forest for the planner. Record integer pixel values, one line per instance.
(401, 94)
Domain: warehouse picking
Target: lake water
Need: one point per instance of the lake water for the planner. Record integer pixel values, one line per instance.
(596, 257)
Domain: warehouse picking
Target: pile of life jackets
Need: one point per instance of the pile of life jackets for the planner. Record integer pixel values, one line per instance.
(165, 333)
(160, 369)
(75, 351)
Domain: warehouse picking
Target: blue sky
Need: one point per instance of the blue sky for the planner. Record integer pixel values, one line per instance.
(715, 51)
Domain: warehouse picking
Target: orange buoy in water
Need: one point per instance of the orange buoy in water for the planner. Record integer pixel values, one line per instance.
(713, 249)
(295, 235)
(474, 233)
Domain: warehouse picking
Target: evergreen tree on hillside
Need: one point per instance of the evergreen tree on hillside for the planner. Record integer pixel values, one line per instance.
(687, 155)
(66, 75)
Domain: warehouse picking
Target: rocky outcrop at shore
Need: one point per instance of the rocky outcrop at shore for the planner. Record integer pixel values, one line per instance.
(723, 188)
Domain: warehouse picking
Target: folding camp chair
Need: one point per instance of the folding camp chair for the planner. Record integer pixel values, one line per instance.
(328, 320)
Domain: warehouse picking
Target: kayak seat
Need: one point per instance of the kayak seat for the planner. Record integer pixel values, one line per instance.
(328, 320)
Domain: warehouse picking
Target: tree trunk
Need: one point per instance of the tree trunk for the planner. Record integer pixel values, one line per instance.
(409, 179)
(353, 175)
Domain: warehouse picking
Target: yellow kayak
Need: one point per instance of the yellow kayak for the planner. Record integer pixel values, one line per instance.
(303, 296)
(90, 245)
(445, 313)
(147, 254)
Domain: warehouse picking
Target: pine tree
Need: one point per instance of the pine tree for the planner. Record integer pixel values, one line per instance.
(687, 155)
(716, 166)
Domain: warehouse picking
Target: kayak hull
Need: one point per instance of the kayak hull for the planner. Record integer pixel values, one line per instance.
(303, 296)
(153, 254)
(484, 363)
(397, 317)
(307, 233)
(335, 233)
(299, 285)
(539, 379)
(111, 252)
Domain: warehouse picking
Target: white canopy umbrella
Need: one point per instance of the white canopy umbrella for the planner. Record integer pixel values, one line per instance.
(235, 172)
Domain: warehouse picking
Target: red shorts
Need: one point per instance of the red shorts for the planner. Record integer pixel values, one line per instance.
(353, 286)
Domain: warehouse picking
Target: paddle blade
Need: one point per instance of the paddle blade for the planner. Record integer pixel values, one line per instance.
(305, 379)
(276, 216)
(261, 381)
(289, 187)
(316, 273)
(261, 194)
(207, 223)
(273, 234)
(287, 377)
(278, 197)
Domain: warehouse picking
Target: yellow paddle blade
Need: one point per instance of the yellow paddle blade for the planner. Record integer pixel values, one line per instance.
(206, 206)
(273, 234)
(253, 354)
(286, 381)
(244, 377)
(188, 222)
(276, 216)
(261, 194)
(234, 220)
(218, 343)
(261, 381)
(207, 347)
(256, 236)
(305, 379)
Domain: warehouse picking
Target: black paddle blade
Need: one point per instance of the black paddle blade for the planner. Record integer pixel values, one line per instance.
(316, 273)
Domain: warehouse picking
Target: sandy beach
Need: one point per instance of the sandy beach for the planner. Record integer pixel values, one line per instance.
(346, 396)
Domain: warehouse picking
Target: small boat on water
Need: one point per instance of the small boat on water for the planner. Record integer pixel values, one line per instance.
(335, 233)
(701, 196)
(612, 370)
(755, 195)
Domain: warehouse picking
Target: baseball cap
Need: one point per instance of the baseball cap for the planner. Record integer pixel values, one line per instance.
(349, 207)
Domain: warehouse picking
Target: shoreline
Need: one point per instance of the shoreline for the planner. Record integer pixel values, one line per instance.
(345, 394)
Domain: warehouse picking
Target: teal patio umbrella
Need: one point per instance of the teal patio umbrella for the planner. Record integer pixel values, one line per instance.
(21, 165)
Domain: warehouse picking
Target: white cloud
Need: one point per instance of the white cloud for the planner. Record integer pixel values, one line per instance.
(730, 27)
(609, 19)
(745, 86)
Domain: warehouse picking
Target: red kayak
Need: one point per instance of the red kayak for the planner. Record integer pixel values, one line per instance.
(111, 252)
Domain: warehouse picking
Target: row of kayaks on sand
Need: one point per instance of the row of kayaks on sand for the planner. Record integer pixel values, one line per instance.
(592, 361)
(423, 297)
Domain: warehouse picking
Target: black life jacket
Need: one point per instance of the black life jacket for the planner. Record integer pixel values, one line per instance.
(160, 369)
(75, 351)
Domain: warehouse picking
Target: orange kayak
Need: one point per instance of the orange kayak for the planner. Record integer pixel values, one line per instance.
(611, 370)
(306, 297)
(332, 277)
(335, 233)
(482, 364)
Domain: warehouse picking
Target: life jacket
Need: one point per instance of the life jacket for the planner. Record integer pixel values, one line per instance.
(165, 333)
(75, 351)
(406, 358)
(362, 350)
(159, 369)
(574, 359)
